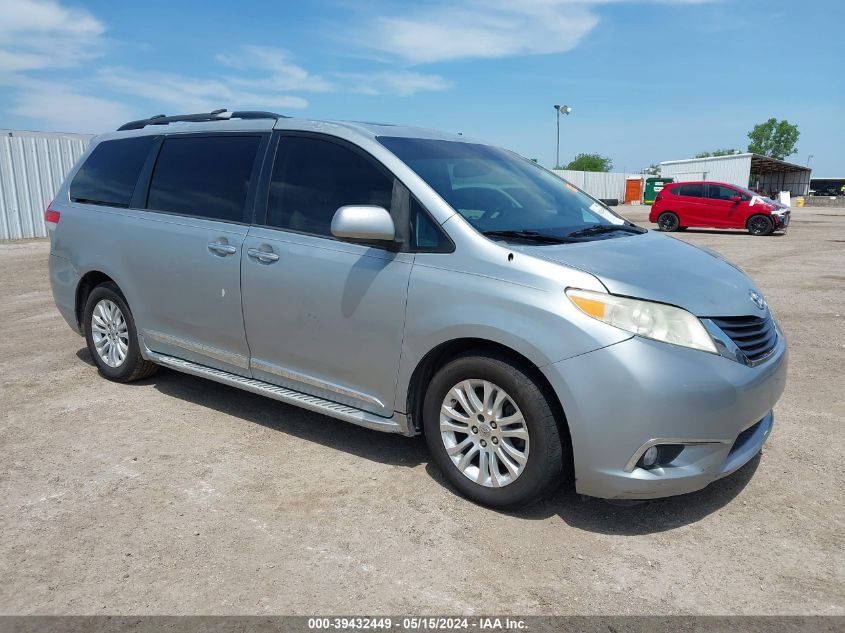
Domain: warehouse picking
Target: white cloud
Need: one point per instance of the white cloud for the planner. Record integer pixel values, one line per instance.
(482, 29)
(403, 83)
(36, 34)
(440, 31)
(183, 93)
(271, 69)
(60, 108)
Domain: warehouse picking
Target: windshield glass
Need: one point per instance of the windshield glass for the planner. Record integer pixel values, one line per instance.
(501, 193)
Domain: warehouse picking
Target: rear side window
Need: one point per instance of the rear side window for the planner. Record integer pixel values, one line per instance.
(313, 178)
(109, 174)
(204, 176)
(693, 191)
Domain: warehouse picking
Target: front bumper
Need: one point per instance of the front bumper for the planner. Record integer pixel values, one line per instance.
(621, 398)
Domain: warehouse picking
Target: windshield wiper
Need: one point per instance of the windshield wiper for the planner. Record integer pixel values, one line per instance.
(530, 235)
(606, 228)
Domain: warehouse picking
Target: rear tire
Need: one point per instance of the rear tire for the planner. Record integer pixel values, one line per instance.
(759, 225)
(112, 337)
(668, 222)
(504, 465)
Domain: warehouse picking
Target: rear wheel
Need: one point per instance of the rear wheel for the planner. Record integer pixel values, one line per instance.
(759, 225)
(492, 432)
(668, 221)
(112, 338)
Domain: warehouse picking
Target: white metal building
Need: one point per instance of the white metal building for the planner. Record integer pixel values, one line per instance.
(32, 167)
(744, 170)
(604, 185)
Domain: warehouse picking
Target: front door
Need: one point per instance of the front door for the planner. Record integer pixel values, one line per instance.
(724, 209)
(324, 316)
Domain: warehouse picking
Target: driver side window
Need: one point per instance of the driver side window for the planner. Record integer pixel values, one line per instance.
(717, 192)
(312, 178)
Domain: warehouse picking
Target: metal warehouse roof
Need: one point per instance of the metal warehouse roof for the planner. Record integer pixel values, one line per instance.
(759, 163)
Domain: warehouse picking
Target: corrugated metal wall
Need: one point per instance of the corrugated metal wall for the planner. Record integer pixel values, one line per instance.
(797, 183)
(599, 184)
(734, 170)
(32, 167)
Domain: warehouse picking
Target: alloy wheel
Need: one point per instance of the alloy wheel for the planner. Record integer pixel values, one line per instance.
(484, 433)
(758, 225)
(110, 333)
(667, 222)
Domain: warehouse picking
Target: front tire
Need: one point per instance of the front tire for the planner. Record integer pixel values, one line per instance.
(112, 337)
(668, 222)
(492, 432)
(759, 225)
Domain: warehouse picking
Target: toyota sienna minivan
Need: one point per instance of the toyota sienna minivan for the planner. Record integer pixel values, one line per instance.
(416, 282)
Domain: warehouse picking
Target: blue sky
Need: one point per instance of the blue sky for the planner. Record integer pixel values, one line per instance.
(648, 80)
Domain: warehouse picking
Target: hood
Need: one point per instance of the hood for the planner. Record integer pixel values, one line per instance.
(659, 268)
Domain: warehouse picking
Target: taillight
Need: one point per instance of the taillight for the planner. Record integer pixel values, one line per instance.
(51, 217)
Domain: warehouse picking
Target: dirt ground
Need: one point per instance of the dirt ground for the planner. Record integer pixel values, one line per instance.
(176, 495)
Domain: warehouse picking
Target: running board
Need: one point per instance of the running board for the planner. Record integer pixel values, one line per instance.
(288, 396)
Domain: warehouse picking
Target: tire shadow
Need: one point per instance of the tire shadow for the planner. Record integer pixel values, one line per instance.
(377, 446)
(739, 232)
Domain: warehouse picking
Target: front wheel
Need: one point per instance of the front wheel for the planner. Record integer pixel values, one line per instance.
(760, 225)
(492, 432)
(112, 338)
(668, 221)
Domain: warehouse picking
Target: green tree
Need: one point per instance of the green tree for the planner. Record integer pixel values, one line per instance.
(718, 152)
(774, 138)
(652, 170)
(590, 162)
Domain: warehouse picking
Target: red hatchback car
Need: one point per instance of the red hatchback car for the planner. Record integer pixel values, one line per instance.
(716, 205)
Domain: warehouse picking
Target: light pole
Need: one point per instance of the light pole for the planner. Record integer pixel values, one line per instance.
(808, 159)
(560, 109)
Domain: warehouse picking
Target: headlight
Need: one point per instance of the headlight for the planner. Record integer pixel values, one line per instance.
(657, 321)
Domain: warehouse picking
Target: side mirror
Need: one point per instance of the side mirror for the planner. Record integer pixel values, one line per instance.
(364, 223)
(736, 198)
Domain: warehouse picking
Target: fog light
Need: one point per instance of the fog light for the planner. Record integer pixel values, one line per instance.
(650, 457)
(658, 455)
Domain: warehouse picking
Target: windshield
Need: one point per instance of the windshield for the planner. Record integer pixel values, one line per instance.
(504, 195)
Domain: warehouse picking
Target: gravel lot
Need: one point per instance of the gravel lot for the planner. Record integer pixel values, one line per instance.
(177, 495)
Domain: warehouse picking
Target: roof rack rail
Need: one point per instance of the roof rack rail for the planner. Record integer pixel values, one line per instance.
(215, 115)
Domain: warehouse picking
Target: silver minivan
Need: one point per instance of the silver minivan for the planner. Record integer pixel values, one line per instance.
(416, 282)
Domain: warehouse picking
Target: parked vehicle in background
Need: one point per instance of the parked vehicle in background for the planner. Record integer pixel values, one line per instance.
(716, 205)
(416, 282)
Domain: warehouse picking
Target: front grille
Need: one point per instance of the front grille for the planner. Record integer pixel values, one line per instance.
(754, 336)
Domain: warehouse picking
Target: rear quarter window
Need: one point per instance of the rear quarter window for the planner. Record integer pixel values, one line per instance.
(110, 172)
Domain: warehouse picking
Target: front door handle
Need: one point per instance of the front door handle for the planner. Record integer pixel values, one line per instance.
(221, 248)
(263, 256)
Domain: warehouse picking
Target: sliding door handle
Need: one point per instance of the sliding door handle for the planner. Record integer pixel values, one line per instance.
(221, 248)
